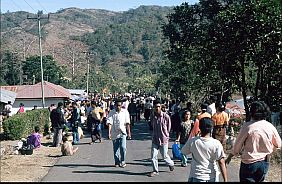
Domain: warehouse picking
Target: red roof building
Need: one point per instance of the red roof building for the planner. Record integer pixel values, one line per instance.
(34, 91)
(31, 95)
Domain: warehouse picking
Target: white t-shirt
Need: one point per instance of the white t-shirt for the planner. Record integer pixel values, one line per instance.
(212, 108)
(205, 153)
(118, 120)
(8, 108)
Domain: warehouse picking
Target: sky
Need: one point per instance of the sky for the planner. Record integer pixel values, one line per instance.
(51, 6)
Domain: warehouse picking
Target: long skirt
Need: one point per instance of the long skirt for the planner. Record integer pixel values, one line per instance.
(219, 133)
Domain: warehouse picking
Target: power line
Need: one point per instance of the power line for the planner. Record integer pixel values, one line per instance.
(30, 6)
(41, 6)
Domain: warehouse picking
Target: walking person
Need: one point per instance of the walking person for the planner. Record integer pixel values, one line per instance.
(75, 122)
(185, 129)
(220, 120)
(256, 140)
(204, 114)
(96, 120)
(148, 111)
(161, 125)
(58, 121)
(132, 109)
(118, 121)
(206, 151)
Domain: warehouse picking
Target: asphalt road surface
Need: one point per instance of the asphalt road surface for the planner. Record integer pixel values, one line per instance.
(96, 163)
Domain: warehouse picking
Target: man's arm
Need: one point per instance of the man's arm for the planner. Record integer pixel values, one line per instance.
(168, 123)
(223, 170)
(110, 129)
(128, 130)
(127, 120)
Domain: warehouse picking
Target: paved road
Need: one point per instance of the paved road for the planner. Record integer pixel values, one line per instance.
(95, 162)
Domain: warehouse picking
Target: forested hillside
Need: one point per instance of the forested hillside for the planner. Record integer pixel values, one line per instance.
(125, 47)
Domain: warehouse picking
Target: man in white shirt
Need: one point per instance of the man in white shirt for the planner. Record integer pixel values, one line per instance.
(211, 108)
(8, 109)
(118, 120)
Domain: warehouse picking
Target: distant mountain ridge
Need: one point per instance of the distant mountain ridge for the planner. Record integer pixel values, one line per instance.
(118, 39)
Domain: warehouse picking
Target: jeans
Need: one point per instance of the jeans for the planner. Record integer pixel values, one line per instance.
(75, 135)
(199, 180)
(184, 158)
(254, 172)
(119, 146)
(58, 135)
(164, 152)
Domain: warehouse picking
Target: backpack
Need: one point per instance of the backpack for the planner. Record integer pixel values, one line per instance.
(26, 149)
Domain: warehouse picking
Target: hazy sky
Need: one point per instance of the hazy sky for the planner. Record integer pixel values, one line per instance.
(51, 6)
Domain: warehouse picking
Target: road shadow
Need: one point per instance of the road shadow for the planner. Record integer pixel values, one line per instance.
(147, 162)
(140, 131)
(117, 172)
(55, 156)
(82, 165)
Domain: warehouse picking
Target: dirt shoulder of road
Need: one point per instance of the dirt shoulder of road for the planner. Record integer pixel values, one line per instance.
(28, 168)
(32, 168)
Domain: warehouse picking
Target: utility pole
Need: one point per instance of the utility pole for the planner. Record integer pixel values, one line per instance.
(87, 76)
(39, 14)
(72, 66)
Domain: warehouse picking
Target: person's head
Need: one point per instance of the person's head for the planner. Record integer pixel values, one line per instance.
(65, 138)
(219, 106)
(9, 102)
(176, 109)
(163, 107)
(118, 105)
(186, 115)
(206, 126)
(157, 106)
(74, 104)
(35, 107)
(213, 99)
(93, 103)
(189, 105)
(204, 107)
(259, 110)
(21, 104)
(60, 104)
(36, 129)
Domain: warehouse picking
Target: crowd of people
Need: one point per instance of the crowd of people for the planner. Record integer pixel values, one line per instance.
(201, 135)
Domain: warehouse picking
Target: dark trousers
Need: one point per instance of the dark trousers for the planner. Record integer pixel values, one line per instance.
(254, 172)
(95, 132)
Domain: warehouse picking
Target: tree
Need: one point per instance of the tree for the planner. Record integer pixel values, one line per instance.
(52, 72)
(190, 71)
(249, 32)
(10, 68)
